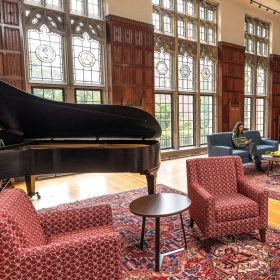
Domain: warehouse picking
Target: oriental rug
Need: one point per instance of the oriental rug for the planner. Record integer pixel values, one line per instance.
(271, 182)
(232, 257)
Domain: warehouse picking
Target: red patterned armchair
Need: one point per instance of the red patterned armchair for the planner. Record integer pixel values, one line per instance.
(78, 244)
(223, 201)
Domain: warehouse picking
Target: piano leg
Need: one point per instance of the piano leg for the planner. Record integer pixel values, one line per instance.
(30, 186)
(151, 181)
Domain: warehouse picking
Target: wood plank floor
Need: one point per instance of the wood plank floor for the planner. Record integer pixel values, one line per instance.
(71, 188)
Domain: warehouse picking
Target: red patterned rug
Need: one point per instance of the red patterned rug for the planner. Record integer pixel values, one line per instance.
(271, 182)
(232, 257)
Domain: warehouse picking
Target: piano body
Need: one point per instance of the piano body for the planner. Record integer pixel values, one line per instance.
(42, 136)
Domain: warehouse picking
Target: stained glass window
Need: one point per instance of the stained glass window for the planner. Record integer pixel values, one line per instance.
(49, 93)
(248, 80)
(163, 70)
(88, 96)
(186, 73)
(261, 81)
(163, 116)
(186, 120)
(45, 55)
(207, 75)
(87, 60)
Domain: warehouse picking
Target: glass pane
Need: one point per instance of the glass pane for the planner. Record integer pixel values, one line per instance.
(88, 96)
(77, 5)
(49, 93)
(260, 116)
(186, 80)
(163, 70)
(181, 27)
(207, 75)
(167, 4)
(45, 55)
(56, 3)
(202, 12)
(190, 8)
(186, 120)
(206, 117)
(247, 113)
(163, 116)
(156, 2)
(191, 30)
(248, 80)
(87, 60)
(202, 33)
(167, 24)
(156, 20)
(94, 7)
(210, 15)
(211, 38)
(180, 6)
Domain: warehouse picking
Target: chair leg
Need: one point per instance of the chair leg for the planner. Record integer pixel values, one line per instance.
(262, 235)
(208, 244)
(192, 222)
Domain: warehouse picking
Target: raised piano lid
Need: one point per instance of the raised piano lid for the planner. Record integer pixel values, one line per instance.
(38, 118)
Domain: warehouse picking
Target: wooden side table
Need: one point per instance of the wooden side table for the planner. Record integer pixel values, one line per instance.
(157, 206)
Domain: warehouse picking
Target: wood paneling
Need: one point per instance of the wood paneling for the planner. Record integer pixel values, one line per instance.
(11, 44)
(274, 96)
(130, 49)
(231, 85)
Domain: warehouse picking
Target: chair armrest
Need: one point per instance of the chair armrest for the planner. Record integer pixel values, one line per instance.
(202, 207)
(221, 151)
(54, 221)
(256, 193)
(87, 257)
(270, 143)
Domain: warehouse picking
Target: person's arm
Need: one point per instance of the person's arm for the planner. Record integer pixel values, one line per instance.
(239, 142)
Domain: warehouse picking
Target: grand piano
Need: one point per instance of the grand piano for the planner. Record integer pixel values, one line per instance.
(42, 136)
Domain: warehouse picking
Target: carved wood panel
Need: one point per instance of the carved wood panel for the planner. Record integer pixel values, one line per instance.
(11, 50)
(130, 49)
(274, 97)
(231, 84)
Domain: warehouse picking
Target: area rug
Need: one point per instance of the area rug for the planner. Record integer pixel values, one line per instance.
(271, 182)
(232, 257)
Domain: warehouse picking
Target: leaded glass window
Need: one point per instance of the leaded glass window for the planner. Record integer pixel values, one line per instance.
(248, 80)
(49, 93)
(206, 117)
(186, 120)
(247, 112)
(45, 55)
(167, 24)
(202, 12)
(54, 3)
(191, 30)
(156, 2)
(167, 4)
(261, 81)
(202, 33)
(87, 7)
(156, 20)
(88, 96)
(181, 27)
(190, 8)
(186, 78)
(260, 116)
(181, 6)
(207, 75)
(87, 60)
(163, 70)
(163, 116)
(77, 5)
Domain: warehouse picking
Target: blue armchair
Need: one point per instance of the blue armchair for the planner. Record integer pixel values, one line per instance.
(220, 144)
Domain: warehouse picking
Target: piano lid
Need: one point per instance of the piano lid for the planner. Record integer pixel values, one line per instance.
(39, 118)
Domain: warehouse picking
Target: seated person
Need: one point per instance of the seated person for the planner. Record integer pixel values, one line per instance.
(240, 142)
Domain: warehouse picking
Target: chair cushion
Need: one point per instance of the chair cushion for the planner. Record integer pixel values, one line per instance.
(235, 206)
(217, 175)
(19, 214)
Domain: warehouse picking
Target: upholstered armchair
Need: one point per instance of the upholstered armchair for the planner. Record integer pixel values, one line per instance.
(223, 201)
(56, 244)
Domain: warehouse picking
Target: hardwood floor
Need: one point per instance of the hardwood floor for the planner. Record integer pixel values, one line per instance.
(70, 188)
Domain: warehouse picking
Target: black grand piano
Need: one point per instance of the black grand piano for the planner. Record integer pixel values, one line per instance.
(41, 136)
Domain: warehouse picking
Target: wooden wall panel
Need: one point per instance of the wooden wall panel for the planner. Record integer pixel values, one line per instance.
(130, 55)
(11, 44)
(274, 96)
(231, 85)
